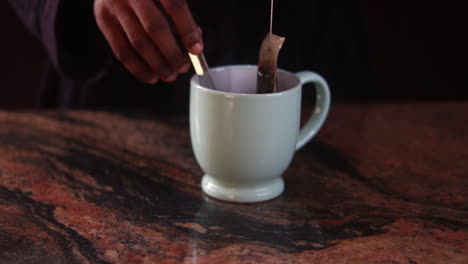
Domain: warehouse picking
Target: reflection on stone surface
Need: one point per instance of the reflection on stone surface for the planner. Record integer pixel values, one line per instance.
(379, 184)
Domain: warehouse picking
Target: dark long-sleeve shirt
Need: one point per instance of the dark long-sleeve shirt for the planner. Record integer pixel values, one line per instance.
(324, 36)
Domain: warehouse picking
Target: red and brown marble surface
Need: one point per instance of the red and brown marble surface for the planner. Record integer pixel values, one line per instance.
(379, 184)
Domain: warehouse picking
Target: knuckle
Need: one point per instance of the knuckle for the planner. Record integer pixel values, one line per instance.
(160, 72)
(177, 61)
(139, 72)
(122, 54)
(164, 72)
(101, 6)
(100, 11)
(143, 78)
(191, 36)
(155, 26)
(160, 69)
(112, 3)
(140, 43)
(175, 4)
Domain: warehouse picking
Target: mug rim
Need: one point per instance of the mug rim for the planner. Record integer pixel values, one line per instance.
(195, 82)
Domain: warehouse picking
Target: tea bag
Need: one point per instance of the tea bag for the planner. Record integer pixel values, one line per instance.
(267, 63)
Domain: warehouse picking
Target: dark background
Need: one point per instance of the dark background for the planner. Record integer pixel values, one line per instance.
(416, 52)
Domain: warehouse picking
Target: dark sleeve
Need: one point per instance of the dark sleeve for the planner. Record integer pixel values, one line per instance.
(68, 31)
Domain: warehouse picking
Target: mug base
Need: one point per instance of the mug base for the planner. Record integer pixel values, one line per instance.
(242, 194)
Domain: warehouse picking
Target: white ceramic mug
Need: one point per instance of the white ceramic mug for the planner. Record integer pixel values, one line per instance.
(245, 141)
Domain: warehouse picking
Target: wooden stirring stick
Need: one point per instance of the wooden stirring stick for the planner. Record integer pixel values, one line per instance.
(201, 69)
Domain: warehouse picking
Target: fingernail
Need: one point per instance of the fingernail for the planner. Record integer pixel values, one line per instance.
(171, 78)
(184, 68)
(196, 48)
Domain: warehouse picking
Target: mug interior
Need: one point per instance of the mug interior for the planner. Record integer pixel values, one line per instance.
(243, 79)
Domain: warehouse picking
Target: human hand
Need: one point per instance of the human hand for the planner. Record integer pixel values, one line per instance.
(145, 40)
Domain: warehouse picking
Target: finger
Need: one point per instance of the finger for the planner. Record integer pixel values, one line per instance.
(179, 12)
(143, 45)
(159, 30)
(122, 48)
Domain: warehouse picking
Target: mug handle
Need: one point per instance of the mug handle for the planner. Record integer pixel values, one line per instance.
(322, 105)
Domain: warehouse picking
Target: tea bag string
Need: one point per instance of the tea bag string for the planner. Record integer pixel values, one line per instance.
(271, 16)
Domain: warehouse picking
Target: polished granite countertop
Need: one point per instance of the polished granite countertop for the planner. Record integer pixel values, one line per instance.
(379, 184)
